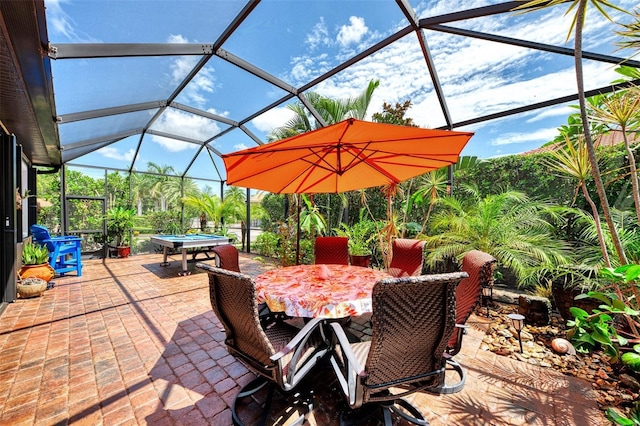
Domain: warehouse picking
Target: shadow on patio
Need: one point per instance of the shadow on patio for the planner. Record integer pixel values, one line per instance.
(131, 342)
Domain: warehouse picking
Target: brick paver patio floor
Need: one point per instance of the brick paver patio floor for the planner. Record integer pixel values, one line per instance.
(131, 343)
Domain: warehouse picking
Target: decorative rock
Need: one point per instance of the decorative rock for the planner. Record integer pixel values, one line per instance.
(630, 382)
(536, 309)
(563, 346)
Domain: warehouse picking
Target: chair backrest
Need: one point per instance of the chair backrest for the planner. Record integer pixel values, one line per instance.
(227, 257)
(407, 257)
(479, 266)
(413, 318)
(40, 233)
(233, 298)
(332, 250)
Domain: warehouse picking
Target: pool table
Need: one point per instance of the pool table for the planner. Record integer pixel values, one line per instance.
(200, 242)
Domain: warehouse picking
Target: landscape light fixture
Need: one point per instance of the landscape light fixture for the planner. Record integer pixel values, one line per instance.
(487, 295)
(517, 321)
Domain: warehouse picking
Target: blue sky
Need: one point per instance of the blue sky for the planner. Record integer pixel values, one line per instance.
(298, 41)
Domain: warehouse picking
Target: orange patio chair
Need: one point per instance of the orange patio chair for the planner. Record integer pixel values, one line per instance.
(332, 250)
(227, 257)
(407, 257)
(479, 266)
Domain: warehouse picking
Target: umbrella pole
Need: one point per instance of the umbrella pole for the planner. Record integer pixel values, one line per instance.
(298, 231)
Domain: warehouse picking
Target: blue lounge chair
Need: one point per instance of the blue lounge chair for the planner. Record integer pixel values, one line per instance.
(64, 252)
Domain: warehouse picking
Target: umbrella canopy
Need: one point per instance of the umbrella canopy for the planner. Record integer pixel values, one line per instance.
(346, 156)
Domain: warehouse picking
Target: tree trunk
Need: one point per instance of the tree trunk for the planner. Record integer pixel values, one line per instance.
(595, 169)
(596, 219)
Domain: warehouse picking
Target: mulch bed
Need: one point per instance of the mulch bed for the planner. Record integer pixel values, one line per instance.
(614, 385)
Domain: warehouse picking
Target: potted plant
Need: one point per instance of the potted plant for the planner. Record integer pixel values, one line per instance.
(119, 223)
(360, 236)
(35, 263)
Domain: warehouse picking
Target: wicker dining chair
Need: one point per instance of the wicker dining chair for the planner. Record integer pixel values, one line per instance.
(281, 354)
(332, 250)
(407, 257)
(413, 318)
(479, 266)
(227, 257)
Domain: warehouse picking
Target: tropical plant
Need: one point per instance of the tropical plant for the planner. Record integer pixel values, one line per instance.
(619, 419)
(621, 111)
(361, 234)
(580, 7)
(34, 254)
(430, 186)
(571, 159)
(311, 220)
(119, 223)
(508, 225)
(218, 211)
(330, 111)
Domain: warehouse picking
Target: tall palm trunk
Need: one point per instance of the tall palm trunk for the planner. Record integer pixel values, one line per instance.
(595, 169)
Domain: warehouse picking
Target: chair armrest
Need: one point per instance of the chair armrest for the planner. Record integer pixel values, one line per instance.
(303, 334)
(305, 355)
(350, 374)
(343, 340)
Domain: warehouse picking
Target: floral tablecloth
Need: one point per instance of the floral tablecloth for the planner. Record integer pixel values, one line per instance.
(327, 291)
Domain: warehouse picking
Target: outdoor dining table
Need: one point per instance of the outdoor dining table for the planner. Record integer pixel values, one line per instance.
(325, 291)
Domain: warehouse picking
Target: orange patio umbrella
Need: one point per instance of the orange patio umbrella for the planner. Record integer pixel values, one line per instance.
(346, 156)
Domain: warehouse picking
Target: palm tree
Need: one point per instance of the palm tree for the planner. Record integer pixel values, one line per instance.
(622, 109)
(236, 198)
(157, 189)
(508, 225)
(212, 205)
(430, 186)
(331, 110)
(580, 7)
(573, 161)
(140, 188)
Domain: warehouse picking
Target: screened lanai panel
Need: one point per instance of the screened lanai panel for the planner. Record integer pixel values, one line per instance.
(403, 75)
(236, 139)
(88, 84)
(228, 90)
(135, 21)
(207, 165)
(172, 154)
(307, 39)
(176, 122)
(104, 127)
(116, 155)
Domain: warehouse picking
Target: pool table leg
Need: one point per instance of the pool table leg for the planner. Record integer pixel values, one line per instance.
(185, 271)
(164, 256)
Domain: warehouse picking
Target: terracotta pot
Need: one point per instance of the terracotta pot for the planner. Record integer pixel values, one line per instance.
(360, 260)
(43, 271)
(124, 251)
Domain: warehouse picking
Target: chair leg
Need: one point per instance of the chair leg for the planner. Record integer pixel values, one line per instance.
(409, 412)
(305, 399)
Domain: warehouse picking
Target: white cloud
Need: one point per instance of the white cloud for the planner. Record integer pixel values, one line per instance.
(59, 22)
(273, 118)
(240, 146)
(540, 135)
(114, 153)
(319, 35)
(183, 124)
(203, 83)
(353, 32)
